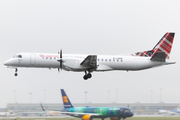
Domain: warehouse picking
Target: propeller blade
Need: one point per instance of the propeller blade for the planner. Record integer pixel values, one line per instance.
(61, 53)
(61, 65)
(60, 59)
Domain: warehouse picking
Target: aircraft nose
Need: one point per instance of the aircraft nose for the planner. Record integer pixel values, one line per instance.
(131, 114)
(8, 62)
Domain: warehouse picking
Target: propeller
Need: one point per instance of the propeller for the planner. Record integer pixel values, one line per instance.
(60, 60)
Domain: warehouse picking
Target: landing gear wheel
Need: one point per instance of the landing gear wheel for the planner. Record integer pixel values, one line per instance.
(89, 75)
(15, 74)
(85, 77)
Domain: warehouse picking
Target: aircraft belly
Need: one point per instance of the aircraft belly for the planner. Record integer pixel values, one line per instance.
(146, 64)
(126, 64)
(135, 63)
(50, 65)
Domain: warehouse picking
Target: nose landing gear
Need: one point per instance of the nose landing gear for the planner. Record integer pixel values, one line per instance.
(87, 75)
(15, 74)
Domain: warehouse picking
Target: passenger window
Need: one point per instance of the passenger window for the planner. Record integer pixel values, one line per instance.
(105, 59)
(101, 59)
(46, 57)
(109, 59)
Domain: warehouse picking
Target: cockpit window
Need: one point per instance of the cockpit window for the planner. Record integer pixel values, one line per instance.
(17, 56)
(126, 111)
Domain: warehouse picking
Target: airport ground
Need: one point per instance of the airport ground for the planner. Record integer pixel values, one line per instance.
(73, 118)
(136, 108)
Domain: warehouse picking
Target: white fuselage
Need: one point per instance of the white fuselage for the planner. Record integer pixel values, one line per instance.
(71, 62)
(6, 114)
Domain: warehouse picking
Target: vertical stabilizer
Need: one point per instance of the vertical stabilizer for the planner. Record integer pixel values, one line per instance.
(164, 45)
(65, 99)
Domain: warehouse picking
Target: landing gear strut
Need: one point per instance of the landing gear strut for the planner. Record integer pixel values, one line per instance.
(16, 72)
(87, 75)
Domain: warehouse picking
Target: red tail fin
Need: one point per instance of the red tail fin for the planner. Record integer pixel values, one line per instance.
(164, 45)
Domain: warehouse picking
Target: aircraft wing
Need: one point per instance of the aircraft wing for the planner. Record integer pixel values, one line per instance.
(50, 110)
(75, 113)
(90, 60)
(71, 113)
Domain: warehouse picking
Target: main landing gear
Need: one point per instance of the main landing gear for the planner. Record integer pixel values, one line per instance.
(87, 75)
(15, 74)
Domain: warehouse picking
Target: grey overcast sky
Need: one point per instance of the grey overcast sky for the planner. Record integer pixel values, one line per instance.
(88, 27)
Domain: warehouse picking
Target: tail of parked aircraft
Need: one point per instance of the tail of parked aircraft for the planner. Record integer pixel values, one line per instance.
(42, 108)
(163, 47)
(66, 101)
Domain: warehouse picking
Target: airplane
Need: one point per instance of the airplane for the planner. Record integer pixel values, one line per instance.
(158, 56)
(162, 111)
(89, 113)
(167, 112)
(7, 114)
(50, 112)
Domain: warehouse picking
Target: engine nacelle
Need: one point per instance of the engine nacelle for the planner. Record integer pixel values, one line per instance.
(73, 64)
(87, 117)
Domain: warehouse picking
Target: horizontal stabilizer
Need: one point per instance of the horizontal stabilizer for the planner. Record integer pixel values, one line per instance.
(159, 56)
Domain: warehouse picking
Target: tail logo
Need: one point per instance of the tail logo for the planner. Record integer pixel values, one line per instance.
(65, 99)
(164, 45)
